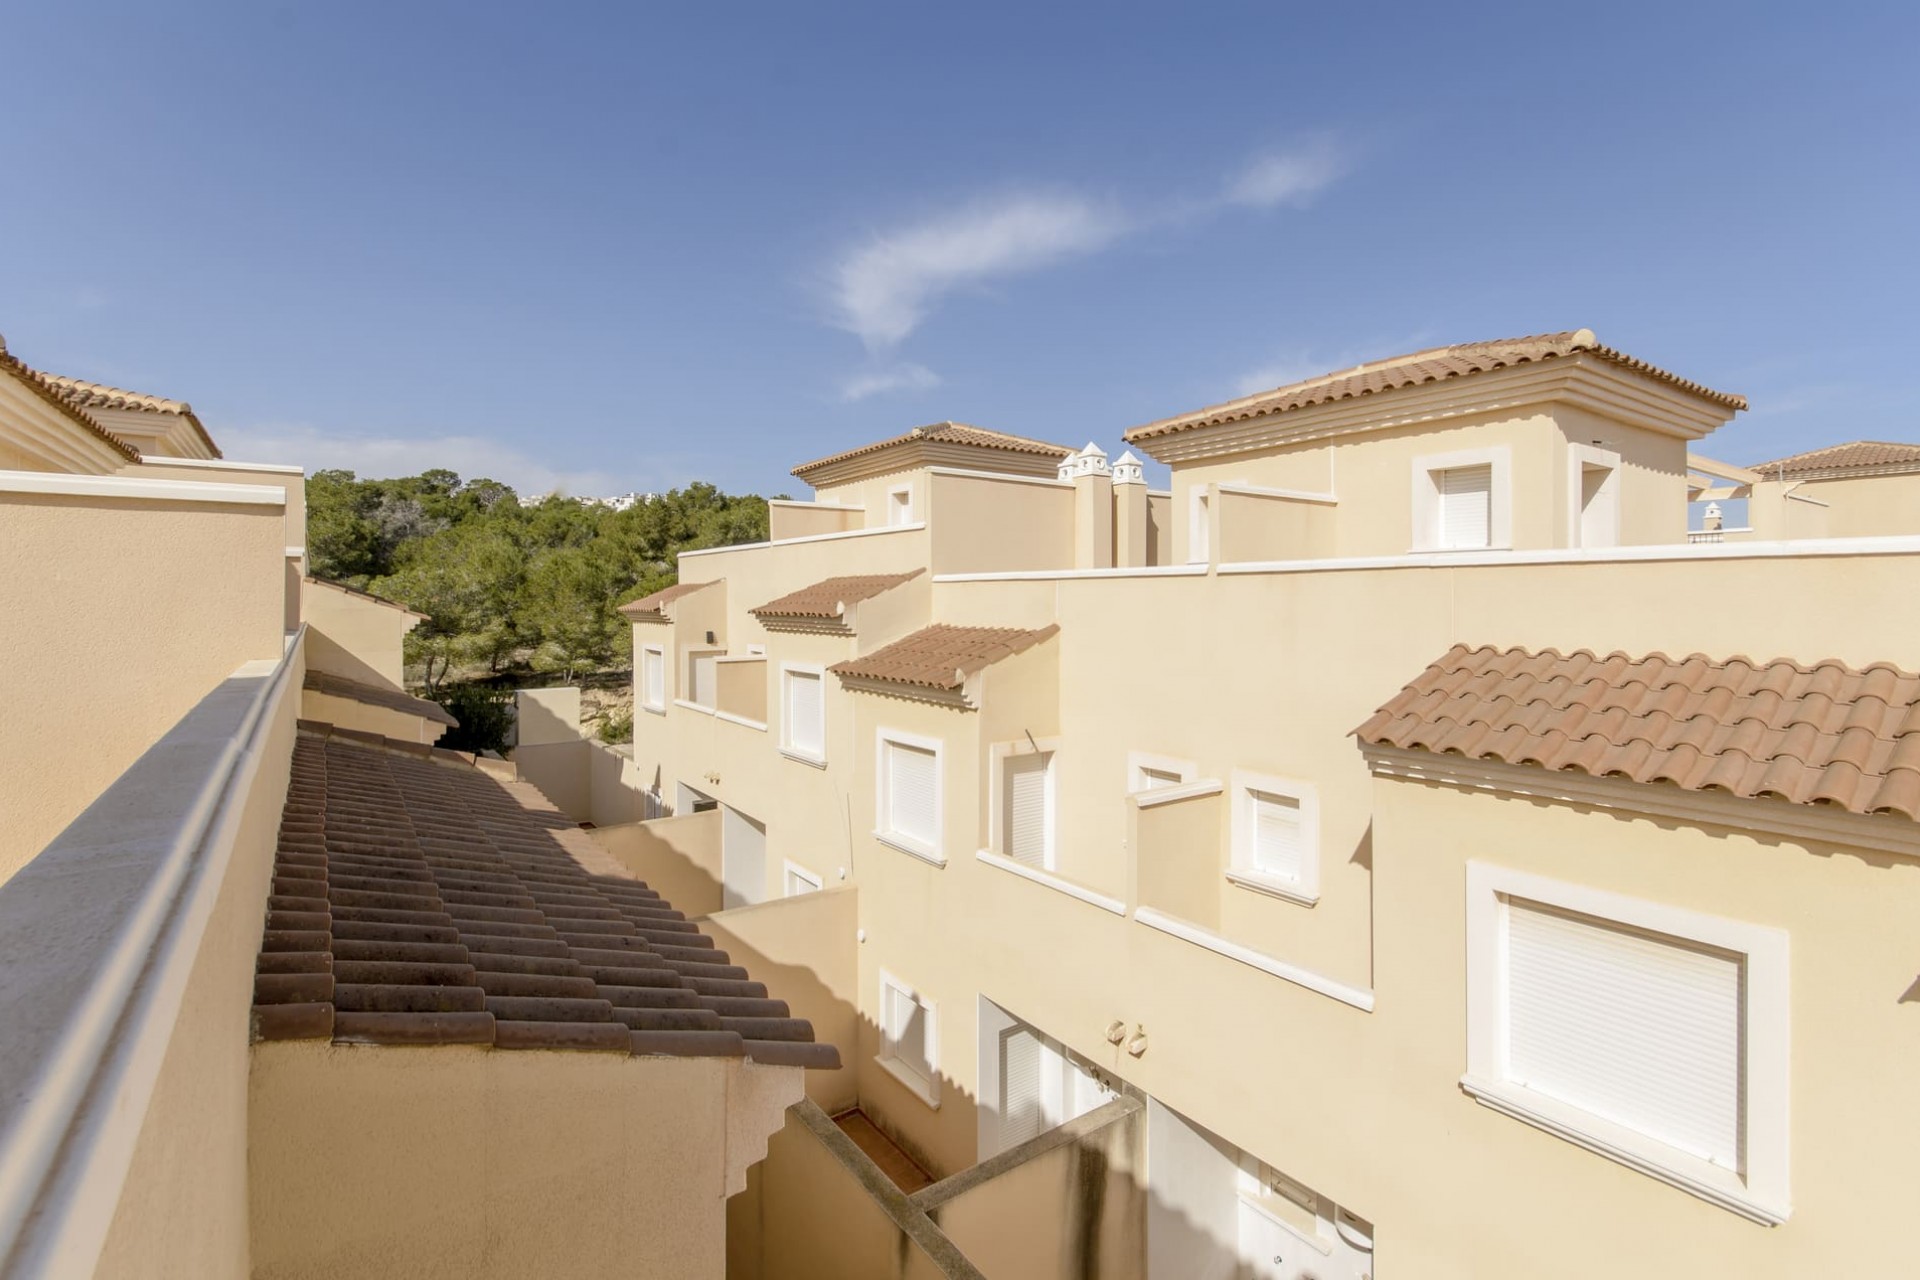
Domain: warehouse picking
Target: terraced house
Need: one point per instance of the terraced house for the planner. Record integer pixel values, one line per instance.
(1457, 829)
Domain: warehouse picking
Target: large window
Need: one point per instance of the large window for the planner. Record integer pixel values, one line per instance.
(803, 729)
(1276, 837)
(909, 1038)
(1461, 501)
(1650, 1034)
(1025, 801)
(653, 678)
(908, 799)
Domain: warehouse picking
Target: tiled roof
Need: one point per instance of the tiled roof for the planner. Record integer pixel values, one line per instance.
(1842, 459)
(375, 695)
(945, 433)
(418, 900)
(1436, 364)
(652, 608)
(830, 597)
(42, 386)
(1826, 734)
(95, 395)
(941, 656)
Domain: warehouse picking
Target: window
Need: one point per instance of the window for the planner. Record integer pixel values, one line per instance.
(653, 678)
(651, 805)
(1460, 501)
(800, 880)
(1276, 837)
(1649, 1034)
(1198, 539)
(1151, 773)
(1466, 507)
(703, 674)
(908, 797)
(1593, 496)
(909, 1039)
(1026, 808)
(803, 713)
(1029, 1082)
(900, 505)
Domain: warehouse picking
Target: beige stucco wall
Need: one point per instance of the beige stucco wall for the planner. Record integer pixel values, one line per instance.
(461, 1161)
(352, 636)
(678, 857)
(547, 715)
(223, 472)
(182, 1211)
(991, 524)
(132, 610)
(805, 520)
(350, 713)
(1868, 506)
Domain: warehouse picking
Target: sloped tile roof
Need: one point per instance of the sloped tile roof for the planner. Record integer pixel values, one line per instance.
(1825, 734)
(1436, 364)
(41, 386)
(374, 695)
(96, 395)
(830, 597)
(1841, 459)
(652, 608)
(944, 433)
(942, 657)
(418, 900)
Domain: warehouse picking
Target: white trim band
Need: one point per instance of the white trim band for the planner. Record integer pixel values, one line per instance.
(1054, 882)
(1051, 575)
(1892, 545)
(131, 489)
(812, 537)
(221, 464)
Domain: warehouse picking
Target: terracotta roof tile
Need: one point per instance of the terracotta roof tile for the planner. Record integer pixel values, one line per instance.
(1871, 457)
(830, 597)
(1436, 364)
(417, 900)
(942, 657)
(652, 608)
(1824, 734)
(944, 433)
(95, 395)
(41, 385)
(374, 695)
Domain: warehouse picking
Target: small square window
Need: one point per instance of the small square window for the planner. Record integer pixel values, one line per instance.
(1154, 773)
(1276, 837)
(900, 505)
(908, 800)
(909, 1040)
(803, 729)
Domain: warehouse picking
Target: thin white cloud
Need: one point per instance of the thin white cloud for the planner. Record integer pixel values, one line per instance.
(1290, 177)
(884, 289)
(905, 376)
(382, 457)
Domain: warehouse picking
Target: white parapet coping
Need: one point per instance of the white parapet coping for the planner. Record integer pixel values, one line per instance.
(811, 537)
(139, 489)
(98, 937)
(1060, 884)
(222, 464)
(1359, 997)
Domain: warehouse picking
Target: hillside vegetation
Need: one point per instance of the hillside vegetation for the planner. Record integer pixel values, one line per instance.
(509, 587)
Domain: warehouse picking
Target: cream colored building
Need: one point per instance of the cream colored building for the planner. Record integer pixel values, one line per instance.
(1561, 965)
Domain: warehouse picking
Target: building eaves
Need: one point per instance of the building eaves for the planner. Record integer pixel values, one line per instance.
(94, 395)
(653, 608)
(373, 695)
(943, 433)
(941, 657)
(417, 900)
(1826, 734)
(1436, 364)
(829, 598)
(38, 383)
(1856, 457)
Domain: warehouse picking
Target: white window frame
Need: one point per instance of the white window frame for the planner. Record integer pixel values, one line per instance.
(1200, 524)
(1759, 1192)
(998, 755)
(1579, 458)
(687, 672)
(927, 1089)
(1139, 761)
(882, 801)
(659, 653)
(794, 871)
(819, 673)
(1243, 870)
(899, 514)
(1426, 497)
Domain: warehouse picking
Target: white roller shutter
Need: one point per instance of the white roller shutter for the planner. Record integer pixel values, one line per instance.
(705, 673)
(1635, 1027)
(1023, 1103)
(1027, 812)
(1466, 506)
(1279, 847)
(912, 793)
(806, 728)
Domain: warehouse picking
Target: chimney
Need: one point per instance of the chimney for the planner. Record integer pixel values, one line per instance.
(1092, 507)
(1129, 512)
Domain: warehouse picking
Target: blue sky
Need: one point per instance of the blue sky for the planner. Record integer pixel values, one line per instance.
(620, 247)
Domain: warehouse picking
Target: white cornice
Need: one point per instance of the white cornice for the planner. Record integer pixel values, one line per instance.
(130, 489)
(1580, 381)
(1824, 824)
(222, 464)
(1898, 545)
